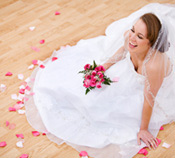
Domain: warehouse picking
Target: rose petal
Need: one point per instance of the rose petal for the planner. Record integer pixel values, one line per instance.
(161, 128)
(115, 79)
(43, 134)
(20, 76)
(7, 123)
(54, 58)
(3, 87)
(19, 144)
(40, 62)
(31, 67)
(32, 79)
(28, 88)
(14, 96)
(35, 49)
(26, 99)
(159, 141)
(143, 151)
(21, 96)
(84, 157)
(42, 66)
(166, 145)
(17, 106)
(12, 126)
(83, 153)
(3, 144)
(8, 74)
(24, 156)
(42, 41)
(20, 102)
(57, 13)
(31, 28)
(22, 87)
(35, 133)
(27, 79)
(12, 109)
(20, 136)
(22, 91)
(32, 93)
(35, 62)
(21, 112)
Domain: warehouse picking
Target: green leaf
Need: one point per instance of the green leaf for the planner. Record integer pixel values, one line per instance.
(94, 64)
(87, 90)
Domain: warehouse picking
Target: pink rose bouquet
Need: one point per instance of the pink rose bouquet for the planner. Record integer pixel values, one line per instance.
(94, 77)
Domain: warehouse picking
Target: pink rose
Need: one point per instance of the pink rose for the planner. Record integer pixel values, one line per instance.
(102, 80)
(94, 73)
(93, 79)
(87, 83)
(87, 66)
(102, 68)
(100, 75)
(93, 83)
(87, 77)
(98, 85)
(97, 69)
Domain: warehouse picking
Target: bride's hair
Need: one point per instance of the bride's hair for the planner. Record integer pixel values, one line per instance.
(155, 31)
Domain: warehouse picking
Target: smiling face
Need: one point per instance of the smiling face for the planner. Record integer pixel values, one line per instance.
(138, 42)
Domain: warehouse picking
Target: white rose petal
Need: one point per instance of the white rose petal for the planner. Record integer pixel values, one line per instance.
(32, 28)
(21, 96)
(27, 79)
(31, 67)
(20, 76)
(166, 145)
(19, 144)
(3, 87)
(21, 111)
(14, 96)
(22, 87)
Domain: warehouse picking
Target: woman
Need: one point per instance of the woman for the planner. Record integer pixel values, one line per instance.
(109, 122)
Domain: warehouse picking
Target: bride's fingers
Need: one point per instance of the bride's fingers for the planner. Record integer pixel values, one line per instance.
(153, 143)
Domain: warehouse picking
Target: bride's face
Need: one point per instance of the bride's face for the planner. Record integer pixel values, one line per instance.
(138, 42)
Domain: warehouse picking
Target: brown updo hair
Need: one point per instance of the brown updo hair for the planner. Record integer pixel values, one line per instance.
(154, 25)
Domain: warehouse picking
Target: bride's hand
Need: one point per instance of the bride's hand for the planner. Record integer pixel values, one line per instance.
(147, 138)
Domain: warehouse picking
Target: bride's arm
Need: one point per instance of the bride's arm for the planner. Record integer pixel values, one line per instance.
(116, 57)
(155, 78)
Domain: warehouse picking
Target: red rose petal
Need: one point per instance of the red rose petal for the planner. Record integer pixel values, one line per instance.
(3, 144)
(143, 151)
(42, 41)
(8, 74)
(57, 13)
(161, 128)
(35, 133)
(24, 156)
(20, 136)
(83, 153)
(43, 134)
(42, 66)
(22, 91)
(54, 58)
(12, 109)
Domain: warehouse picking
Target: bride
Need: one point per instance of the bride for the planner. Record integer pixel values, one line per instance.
(117, 120)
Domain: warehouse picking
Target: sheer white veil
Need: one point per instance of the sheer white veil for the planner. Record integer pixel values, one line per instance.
(159, 62)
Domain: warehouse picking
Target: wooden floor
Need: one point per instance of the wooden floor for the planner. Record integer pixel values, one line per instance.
(78, 19)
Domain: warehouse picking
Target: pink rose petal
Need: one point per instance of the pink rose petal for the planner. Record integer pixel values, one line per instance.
(28, 88)
(12, 109)
(35, 62)
(159, 141)
(20, 102)
(24, 156)
(7, 123)
(83, 153)
(22, 91)
(43, 134)
(12, 126)
(143, 151)
(35, 133)
(42, 41)
(32, 93)
(26, 99)
(161, 128)
(8, 74)
(57, 13)
(17, 106)
(54, 58)
(3, 144)
(20, 136)
(115, 79)
(35, 49)
(42, 66)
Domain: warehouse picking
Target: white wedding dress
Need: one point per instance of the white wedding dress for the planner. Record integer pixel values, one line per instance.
(104, 122)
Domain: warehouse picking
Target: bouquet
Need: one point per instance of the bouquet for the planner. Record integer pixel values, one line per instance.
(94, 77)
